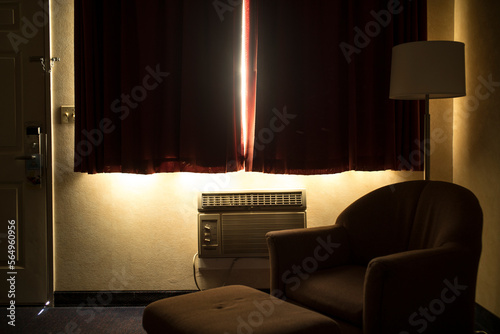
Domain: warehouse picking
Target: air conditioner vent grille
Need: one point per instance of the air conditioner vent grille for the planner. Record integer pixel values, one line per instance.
(253, 200)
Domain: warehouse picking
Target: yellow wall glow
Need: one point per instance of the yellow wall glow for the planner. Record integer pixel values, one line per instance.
(441, 27)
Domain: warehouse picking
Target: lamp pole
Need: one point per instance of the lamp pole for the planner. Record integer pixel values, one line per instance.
(427, 140)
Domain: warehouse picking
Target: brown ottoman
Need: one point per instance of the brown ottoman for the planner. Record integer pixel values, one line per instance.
(232, 309)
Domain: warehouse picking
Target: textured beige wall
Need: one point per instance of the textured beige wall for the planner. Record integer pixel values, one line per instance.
(476, 153)
(133, 232)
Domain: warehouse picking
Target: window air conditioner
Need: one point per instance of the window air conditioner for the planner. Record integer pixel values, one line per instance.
(234, 224)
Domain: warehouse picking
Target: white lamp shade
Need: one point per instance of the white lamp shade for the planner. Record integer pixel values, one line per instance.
(434, 68)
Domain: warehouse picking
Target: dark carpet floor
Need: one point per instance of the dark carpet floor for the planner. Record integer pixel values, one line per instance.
(97, 320)
(74, 320)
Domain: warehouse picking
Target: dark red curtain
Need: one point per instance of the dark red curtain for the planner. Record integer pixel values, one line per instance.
(323, 77)
(157, 86)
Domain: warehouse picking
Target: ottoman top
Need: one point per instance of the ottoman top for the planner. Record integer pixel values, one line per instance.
(233, 309)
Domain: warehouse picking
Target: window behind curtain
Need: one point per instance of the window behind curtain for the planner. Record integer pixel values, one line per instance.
(157, 87)
(323, 74)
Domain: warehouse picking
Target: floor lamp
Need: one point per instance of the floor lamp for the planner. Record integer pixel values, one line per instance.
(427, 70)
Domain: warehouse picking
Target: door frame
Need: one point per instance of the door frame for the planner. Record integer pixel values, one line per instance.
(49, 160)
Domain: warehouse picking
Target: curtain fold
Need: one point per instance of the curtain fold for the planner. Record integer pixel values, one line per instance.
(157, 87)
(323, 76)
(251, 41)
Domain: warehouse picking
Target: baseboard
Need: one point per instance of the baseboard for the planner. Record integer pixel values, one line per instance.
(486, 321)
(114, 298)
(111, 298)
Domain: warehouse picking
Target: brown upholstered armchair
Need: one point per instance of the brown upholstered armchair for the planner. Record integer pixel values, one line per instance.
(401, 259)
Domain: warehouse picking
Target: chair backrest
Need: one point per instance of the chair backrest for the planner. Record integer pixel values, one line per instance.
(412, 215)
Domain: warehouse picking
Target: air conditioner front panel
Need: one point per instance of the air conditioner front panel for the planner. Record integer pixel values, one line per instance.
(243, 234)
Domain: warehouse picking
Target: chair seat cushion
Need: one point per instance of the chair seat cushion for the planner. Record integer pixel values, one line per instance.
(336, 292)
(233, 309)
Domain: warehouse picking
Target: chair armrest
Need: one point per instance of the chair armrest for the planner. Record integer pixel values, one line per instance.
(430, 290)
(293, 254)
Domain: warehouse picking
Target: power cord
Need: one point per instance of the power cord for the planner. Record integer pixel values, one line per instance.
(194, 271)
